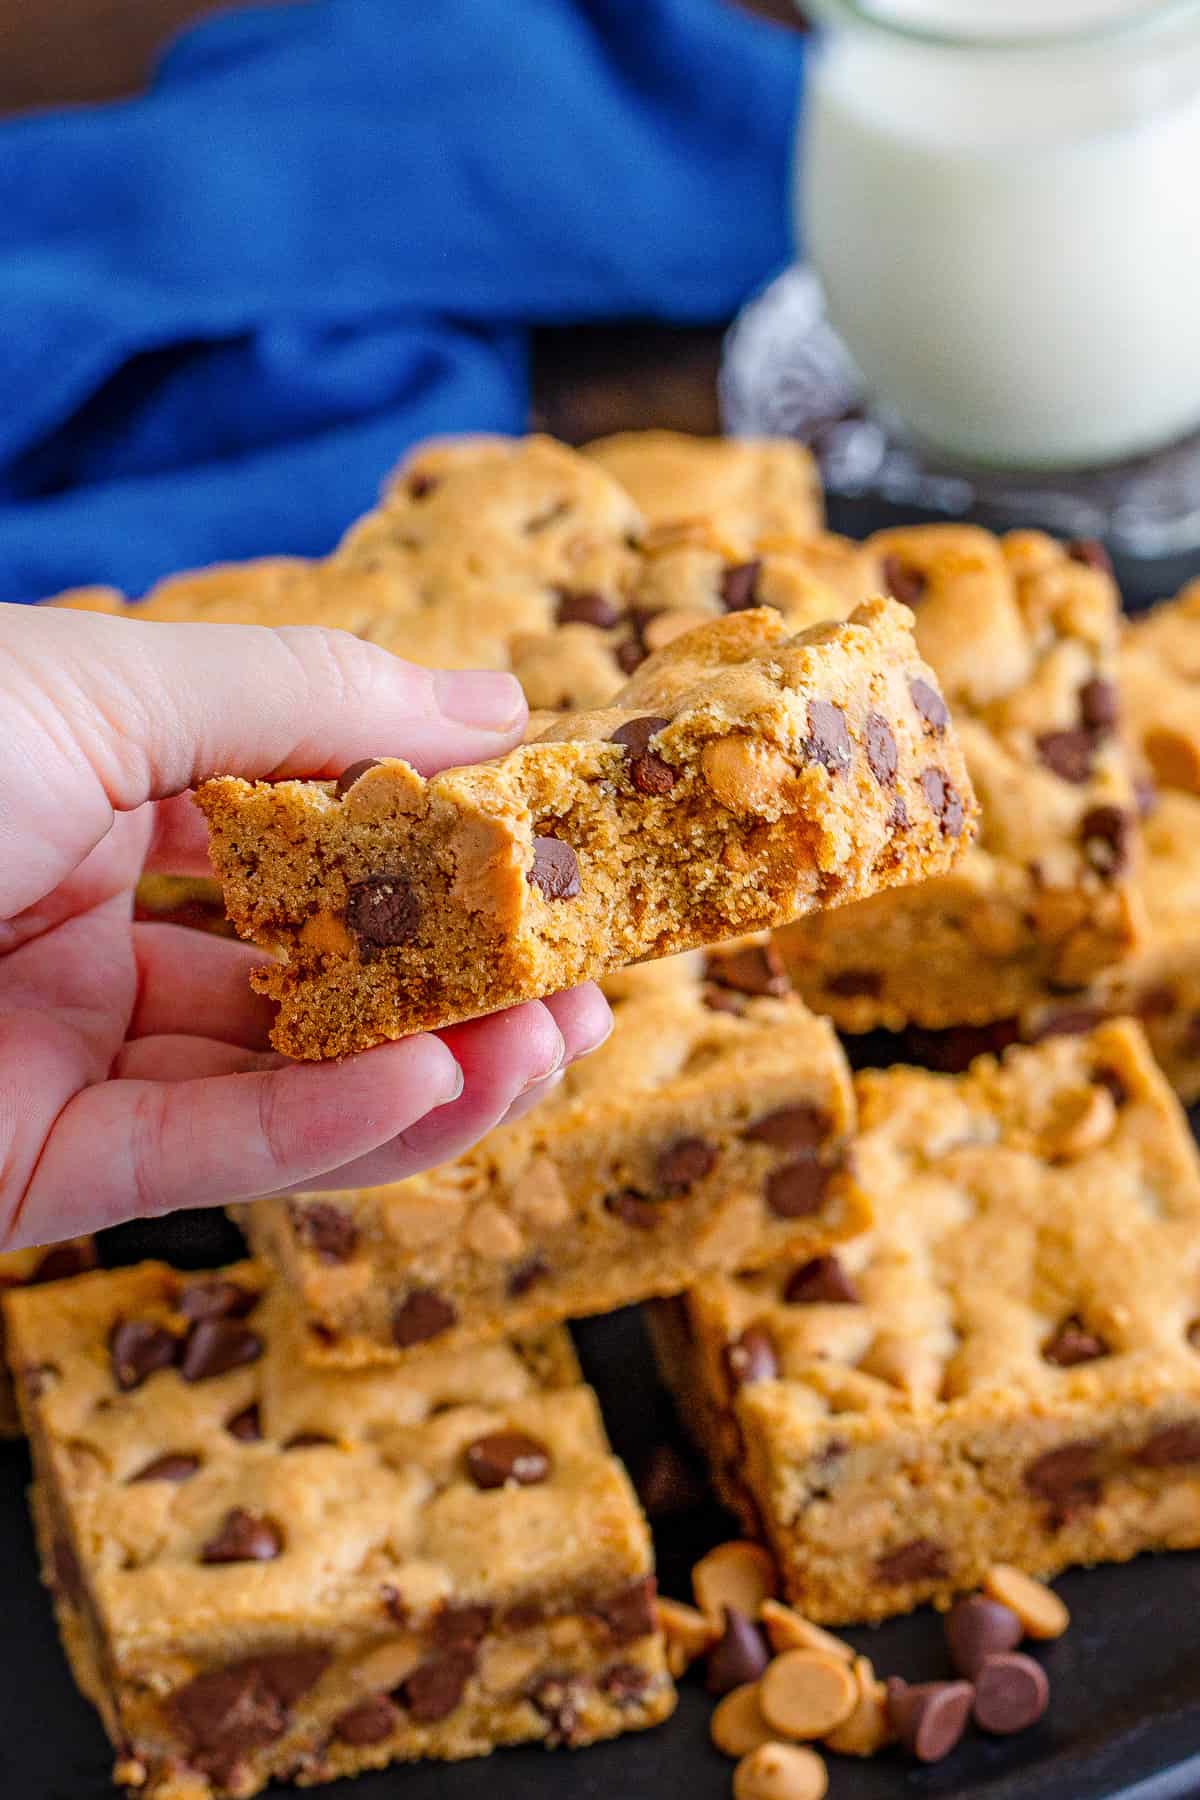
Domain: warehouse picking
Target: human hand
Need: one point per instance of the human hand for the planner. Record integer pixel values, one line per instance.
(135, 1073)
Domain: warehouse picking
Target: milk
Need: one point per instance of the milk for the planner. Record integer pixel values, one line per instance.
(1010, 238)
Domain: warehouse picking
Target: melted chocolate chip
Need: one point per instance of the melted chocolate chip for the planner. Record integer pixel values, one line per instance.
(902, 581)
(828, 741)
(796, 1190)
(585, 606)
(739, 1655)
(326, 1229)
(632, 1208)
(507, 1456)
(629, 1613)
(1171, 1446)
(682, 1164)
(754, 969)
(137, 1348)
(1099, 705)
(1066, 1476)
(353, 773)
(62, 1261)
(930, 705)
(214, 1346)
(855, 984)
(1072, 1343)
(739, 586)
(1107, 834)
(751, 1357)
(1068, 754)
(246, 1704)
(555, 869)
(920, 1560)
(218, 1299)
(648, 772)
(308, 1440)
(245, 1426)
(382, 911)
(883, 758)
(434, 1689)
(175, 1465)
(799, 1127)
(526, 1275)
(422, 1315)
(461, 1627)
(821, 1282)
(244, 1537)
(945, 801)
(367, 1723)
(421, 486)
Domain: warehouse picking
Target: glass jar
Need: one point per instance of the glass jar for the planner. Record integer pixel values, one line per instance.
(1002, 198)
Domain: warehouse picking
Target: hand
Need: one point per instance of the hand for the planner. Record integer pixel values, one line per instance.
(135, 1075)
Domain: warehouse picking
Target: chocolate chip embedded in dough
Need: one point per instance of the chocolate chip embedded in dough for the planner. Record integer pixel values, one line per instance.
(555, 869)
(422, 1315)
(381, 912)
(799, 1127)
(502, 1457)
(174, 1465)
(1171, 1447)
(629, 1611)
(1100, 704)
(828, 741)
(328, 1230)
(1072, 1343)
(751, 1357)
(796, 1190)
(1107, 834)
(244, 1536)
(945, 801)
(929, 704)
(883, 758)
(1069, 754)
(586, 606)
(904, 582)
(739, 585)
(137, 1348)
(681, 1164)
(214, 1346)
(821, 1282)
(245, 1426)
(434, 1689)
(650, 773)
(61, 1261)
(755, 969)
(920, 1560)
(855, 984)
(369, 1722)
(217, 1299)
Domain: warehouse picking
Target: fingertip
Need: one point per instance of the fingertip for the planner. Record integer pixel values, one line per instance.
(483, 699)
(584, 1018)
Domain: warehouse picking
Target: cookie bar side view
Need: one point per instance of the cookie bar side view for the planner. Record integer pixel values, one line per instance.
(264, 1572)
(1007, 1368)
(27, 1268)
(741, 778)
(1023, 636)
(708, 1133)
(746, 486)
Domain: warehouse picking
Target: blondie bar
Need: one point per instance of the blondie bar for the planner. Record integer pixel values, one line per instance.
(748, 487)
(1023, 635)
(707, 1133)
(741, 778)
(27, 1268)
(264, 1571)
(1005, 1369)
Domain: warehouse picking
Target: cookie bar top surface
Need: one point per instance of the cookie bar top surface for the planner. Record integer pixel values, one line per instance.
(1160, 682)
(741, 778)
(748, 486)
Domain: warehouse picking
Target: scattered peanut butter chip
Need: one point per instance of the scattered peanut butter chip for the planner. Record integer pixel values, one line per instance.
(978, 1627)
(421, 1315)
(737, 1725)
(930, 1718)
(781, 1772)
(828, 741)
(1042, 1614)
(686, 1632)
(355, 772)
(1011, 1693)
(903, 581)
(1072, 1343)
(806, 1693)
(382, 911)
(555, 870)
(821, 1282)
(243, 1537)
(737, 1574)
(751, 1357)
(739, 585)
(868, 1728)
(507, 1456)
(790, 1630)
(739, 1655)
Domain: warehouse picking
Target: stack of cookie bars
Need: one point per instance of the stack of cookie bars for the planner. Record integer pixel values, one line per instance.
(351, 1501)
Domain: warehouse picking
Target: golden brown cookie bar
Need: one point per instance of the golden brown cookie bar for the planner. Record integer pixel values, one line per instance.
(26, 1268)
(707, 1133)
(1160, 683)
(264, 1571)
(748, 487)
(740, 778)
(1006, 1369)
(1023, 636)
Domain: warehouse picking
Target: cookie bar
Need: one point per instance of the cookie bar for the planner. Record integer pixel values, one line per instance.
(27, 1268)
(264, 1571)
(1022, 633)
(708, 1132)
(740, 778)
(1160, 682)
(1006, 1369)
(748, 487)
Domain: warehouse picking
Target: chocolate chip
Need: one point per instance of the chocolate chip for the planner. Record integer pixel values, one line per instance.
(176, 1465)
(953, 1049)
(1091, 553)
(632, 1208)
(828, 741)
(1011, 1693)
(883, 758)
(630, 656)
(1099, 705)
(1072, 1021)
(752, 969)
(308, 1440)
(1112, 1079)
(243, 1537)
(898, 819)
(929, 704)
(218, 1299)
(796, 1189)
(629, 1613)
(421, 486)
(739, 586)
(559, 1699)
(423, 1315)
(1068, 754)
(855, 984)
(667, 1484)
(291, 1673)
(751, 1357)
(228, 1710)
(977, 1628)
(214, 1346)
(1066, 1475)
(1156, 1003)
(245, 1426)
(66, 1572)
(930, 1718)
(624, 1683)
(799, 1127)
(585, 606)
(681, 1164)
(555, 869)
(920, 1560)
(367, 1723)
(1171, 1447)
(739, 1655)
(353, 773)
(821, 1282)
(903, 582)
(503, 1456)
(382, 911)
(945, 801)
(434, 1689)
(326, 1229)
(461, 1627)
(1107, 833)
(648, 772)
(137, 1348)
(62, 1261)
(526, 1275)
(1072, 1343)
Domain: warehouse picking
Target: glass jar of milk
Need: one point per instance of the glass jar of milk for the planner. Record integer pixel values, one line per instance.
(1002, 198)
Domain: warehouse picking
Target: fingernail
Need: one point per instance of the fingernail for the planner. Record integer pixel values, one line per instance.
(455, 1080)
(600, 1037)
(478, 697)
(551, 1068)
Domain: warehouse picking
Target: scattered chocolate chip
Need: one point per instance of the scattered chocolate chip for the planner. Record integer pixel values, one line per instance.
(903, 582)
(930, 1718)
(1068, 754)
(855, 984)
(219, 1299)
(1172, 1446)
(367, 1723)
(214, 1346)
(632, 1208)
(137, 1348)
(739, 586)
(243, 1537)
(503, 1456)
(739, 1655)
(461, 1627)
(524, 1616)
(753, 969)
(245, 1426)
(176, 1465)
(667, 1484)
(228, 1710)
(629, 1613)
(648, 772)
(929, 704)
(799, 1127)
(828, 741)
(1066, 1476)
(382, 911)
(555, 869)
(291, 1673)
(559, 1699)
(751, 1357)
(977, 1628)
(1011, 1693)
(308, 1440)
(1099, 705)
(421, 486)
(434, 1689)
(898, 819)
(585, 606)
(920, 1560)
(526, 1275)
(1107, 834)
(630, 656)
(796, 1189)
(67, 1574)
(821, 1282)
(355, 772)
(1156, 1003)
(624, 1683)
(62, 1261)
(422, 1315)
(945, 801)
(953, 1049)
(883, 758)
(1091, 553)
(681, 1164)
(1112, 1079)
(324, 1228)
(1072, 1343)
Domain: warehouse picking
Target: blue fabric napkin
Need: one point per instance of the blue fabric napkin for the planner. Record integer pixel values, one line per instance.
(227, 305)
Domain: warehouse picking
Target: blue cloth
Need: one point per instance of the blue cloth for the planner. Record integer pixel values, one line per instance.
(227, 305)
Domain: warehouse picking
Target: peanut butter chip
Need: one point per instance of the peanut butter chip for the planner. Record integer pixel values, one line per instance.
(688, 1633)
(868, 1728)
(790, 1630)
(555, 869)
(737, 1725)
(805, 1694)
(781, 1772)
(746, 774)
(737, 1574)
(1042, 1614)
